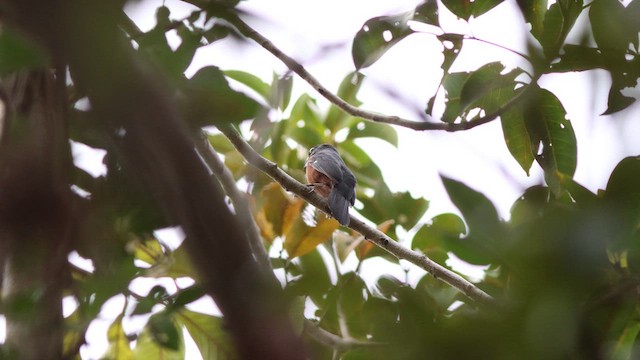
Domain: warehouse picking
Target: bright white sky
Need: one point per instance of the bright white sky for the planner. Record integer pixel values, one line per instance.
(319, 34)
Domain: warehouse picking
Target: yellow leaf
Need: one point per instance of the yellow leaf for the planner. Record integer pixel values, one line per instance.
(274, 204)
(301, 238)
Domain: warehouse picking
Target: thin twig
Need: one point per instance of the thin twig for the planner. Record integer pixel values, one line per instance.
(296, 67)
(243, 211)
(334, 341)
(371, 234)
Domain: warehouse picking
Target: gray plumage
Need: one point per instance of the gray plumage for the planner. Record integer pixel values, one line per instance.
(325, 159)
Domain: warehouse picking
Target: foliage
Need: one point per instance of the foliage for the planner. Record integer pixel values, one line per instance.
(564, 267)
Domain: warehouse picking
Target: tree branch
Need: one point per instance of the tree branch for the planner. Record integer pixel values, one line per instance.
(243, 211)
(299, 69)
(370, 233)
(334, 341)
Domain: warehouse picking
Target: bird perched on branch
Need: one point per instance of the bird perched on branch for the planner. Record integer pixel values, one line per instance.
(328, 175)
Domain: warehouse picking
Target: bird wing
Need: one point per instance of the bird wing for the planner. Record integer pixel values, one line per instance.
(328, 163)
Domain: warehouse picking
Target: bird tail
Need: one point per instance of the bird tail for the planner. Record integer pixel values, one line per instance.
(339, 206)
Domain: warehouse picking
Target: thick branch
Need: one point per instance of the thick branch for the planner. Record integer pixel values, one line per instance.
(370, 233)
(157, 150)
(296, 67)
(243, 211)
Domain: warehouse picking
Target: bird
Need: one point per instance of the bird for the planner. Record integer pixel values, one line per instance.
(329, 176)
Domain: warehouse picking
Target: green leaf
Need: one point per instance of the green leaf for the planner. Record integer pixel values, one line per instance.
(251, 81)
(210, 100)
(148, 348)
(609, 25)
(281, 91)
(549, 130)
(187, 296)
(558, 21)
(436, 233)
(208, 333)
(314, 280)
(530, 206)
(534, 12)
(487, 88)
(163, 330)
(579, 58)
(452, 44)
(466, 8)
(485, 228)
(383, 132)
(453, 84)
(517, 138)
(18, 52)
(156, 296)
(399, 206)
(119, 348)
(377, 36)
(622, 195)
(427, 13)
(347, 91)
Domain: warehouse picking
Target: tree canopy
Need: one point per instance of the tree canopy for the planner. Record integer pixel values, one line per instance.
(219, 156)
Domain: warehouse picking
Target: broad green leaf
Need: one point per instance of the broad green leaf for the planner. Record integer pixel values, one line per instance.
(305, 136)
(517, 138)
(487, 88)
(119, 348)
(209, 100)
(281, 88)
(466, 8)
(18, 52)
(558, 21)
(453, 84)
(400, 206)
(427, 13)
(175, 265)
(209, 334)
(485, 228)
(579, 58)
(609, 25)
(367, 173)
(187, 296)
(149, 251)
(622, 197)
(301, 238)
(314, 280)
(378, 35)
(253, 82)
(164, 331)
(549, 130)
(435, 234)
(376, 130)
(156, 295)
(530, 206)
(347, 91)
(451, 46)
(534, 12)
(147, 348)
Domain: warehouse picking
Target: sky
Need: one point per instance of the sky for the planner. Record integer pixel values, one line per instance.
(319, 33)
